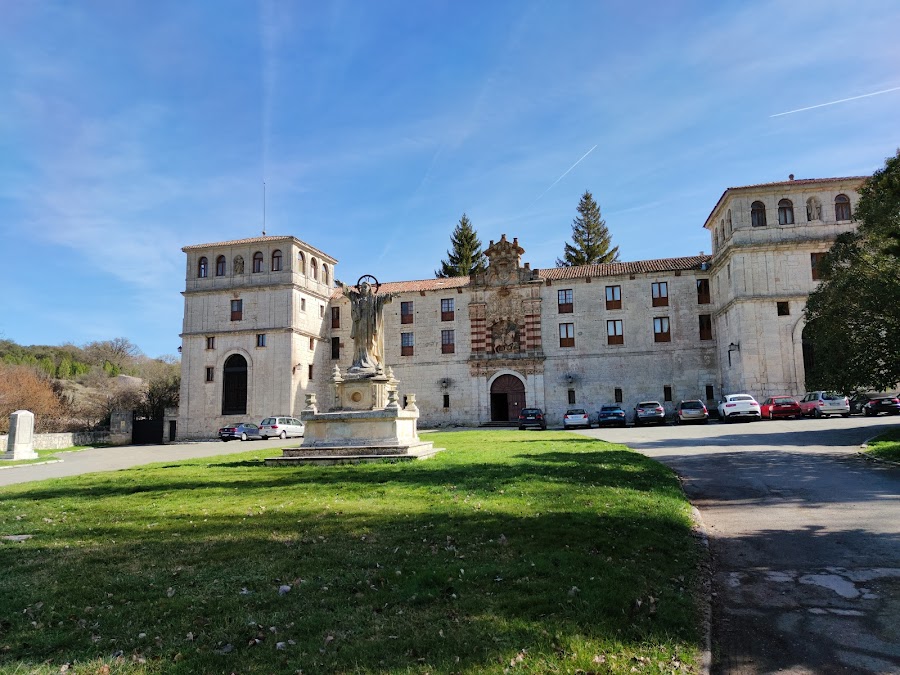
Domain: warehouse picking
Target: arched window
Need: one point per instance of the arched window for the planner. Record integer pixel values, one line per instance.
(301, 263)
(203, 268)
(715, 239)
(813, 209)
(842, 208)
(758, 214)
(785, 212)
(276, 260)
(257, 262)
(314, 269)
(324, 274)
(728, 222)
(220, 266)
(234, 386)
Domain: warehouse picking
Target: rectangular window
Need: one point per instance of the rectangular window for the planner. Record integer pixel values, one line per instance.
(448, 342)
(613, 297)
(210, 374)
(302, 304)
(312, 343)
(703, 291)
(571, 397)
(617, 394)
(709, 393)
(447, 309)
(667, 393)
(260, 339)
(446, 400)
(614, 334)
(335, 317)
(815, 263)
(335, 348)
(783, 308)
(567, 335)
(309, 371)
(706, 327)
(210, 343)
(237, 310)
(661, 329)
(406, 344)
(564, 299)
(660, 292)
(321, 310)
(406, 312)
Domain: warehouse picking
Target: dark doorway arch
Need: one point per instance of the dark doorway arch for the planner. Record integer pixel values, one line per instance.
(809, 357)
(234, 386)
(507, 398)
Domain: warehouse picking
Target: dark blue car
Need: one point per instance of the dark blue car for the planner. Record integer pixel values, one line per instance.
(611, 416)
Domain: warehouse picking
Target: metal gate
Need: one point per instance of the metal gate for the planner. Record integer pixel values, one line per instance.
(147, 432)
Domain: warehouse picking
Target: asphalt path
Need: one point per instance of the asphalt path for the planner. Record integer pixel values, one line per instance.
(804, 536)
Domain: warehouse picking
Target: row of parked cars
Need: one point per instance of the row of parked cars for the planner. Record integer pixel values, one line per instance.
(270, 427)
(734, 407)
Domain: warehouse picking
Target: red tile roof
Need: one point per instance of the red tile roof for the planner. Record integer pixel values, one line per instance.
(622, 268)
(261, 240)
(419, 285)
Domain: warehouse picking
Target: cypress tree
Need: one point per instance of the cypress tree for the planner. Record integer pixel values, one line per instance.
(466, 257)
(590, 238)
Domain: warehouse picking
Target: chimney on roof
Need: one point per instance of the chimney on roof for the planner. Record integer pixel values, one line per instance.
(791, 177)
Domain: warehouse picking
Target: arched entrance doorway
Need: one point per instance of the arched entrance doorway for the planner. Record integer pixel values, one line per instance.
(809, 357)
(234, 386)
(507, 398)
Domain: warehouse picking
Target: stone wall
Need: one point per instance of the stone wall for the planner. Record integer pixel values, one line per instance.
(58, 441)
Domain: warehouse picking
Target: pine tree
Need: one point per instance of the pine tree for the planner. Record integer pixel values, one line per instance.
(591, 240)
(466, 257)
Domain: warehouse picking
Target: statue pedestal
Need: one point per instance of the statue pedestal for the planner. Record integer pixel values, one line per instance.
(367, 425)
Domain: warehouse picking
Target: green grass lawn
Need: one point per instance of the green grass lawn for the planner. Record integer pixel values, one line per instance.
(531, 552)
(886, 446)
(44, 456)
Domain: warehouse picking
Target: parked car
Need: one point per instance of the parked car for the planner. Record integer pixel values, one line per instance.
(532, 417)
(781, 406)
(611, 415)
(882, 404)
(576, 417)
(243, 431)
(739, 406)
(649, 412)
(281, 427)
(824, 403)
(691, 411)
(859, 399)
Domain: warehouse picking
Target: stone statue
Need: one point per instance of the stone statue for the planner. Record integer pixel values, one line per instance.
(238, 265)
(367, 314)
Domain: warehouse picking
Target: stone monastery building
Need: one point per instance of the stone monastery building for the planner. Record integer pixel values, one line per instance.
(264, 323)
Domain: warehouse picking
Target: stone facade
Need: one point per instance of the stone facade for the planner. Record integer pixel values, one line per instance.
(476, 350)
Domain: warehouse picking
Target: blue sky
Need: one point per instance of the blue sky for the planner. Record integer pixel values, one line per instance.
(129, 129)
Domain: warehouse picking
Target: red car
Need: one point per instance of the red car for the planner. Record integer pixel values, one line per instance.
(780, 406)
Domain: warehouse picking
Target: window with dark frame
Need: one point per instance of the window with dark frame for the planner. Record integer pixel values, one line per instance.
(564, 301)
(406, 344)
(237, 310)
(785, 212)
(258, 262)
(617, 395)
(571, 397)
(210, 373)
(335, 317)
(613, 297)
(758, 214)
(335, 348)
(815, 263)
(706, 326)
(567, 335)
(220, 266)
(710, 393)
(661, 329)
(276, 260)
(614, 333)
(703, 292)
(446, 400)
(312, 343)
(448, 342)
(260, 339)
(783, 308)
(406, 312)
(309, 372)
(202, 268)
(448, 312)
(667, 393)
(302, 304)
(659, 290)
(210, 342)
(842, 208)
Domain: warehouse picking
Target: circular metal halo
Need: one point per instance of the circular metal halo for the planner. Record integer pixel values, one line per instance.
(369, 279)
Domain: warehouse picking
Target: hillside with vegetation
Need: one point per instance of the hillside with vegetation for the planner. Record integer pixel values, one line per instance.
(71, 388)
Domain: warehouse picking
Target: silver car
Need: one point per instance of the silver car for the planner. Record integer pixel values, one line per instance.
(282, 427)
(691, 411)
(825, 403)
(649, 412)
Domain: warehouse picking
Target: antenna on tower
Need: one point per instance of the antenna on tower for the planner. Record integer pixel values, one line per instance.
(264, 208)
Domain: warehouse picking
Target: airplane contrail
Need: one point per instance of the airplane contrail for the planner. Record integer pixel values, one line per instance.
(563, 176)
(843, 100)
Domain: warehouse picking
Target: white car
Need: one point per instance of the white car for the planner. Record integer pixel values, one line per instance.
(281, 427)
(576, 417)
(739, 406)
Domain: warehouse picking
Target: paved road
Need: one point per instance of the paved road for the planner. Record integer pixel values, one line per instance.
(805, 540)
(113, 459)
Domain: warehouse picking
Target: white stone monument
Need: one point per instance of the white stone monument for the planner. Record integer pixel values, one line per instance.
(21, 436)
